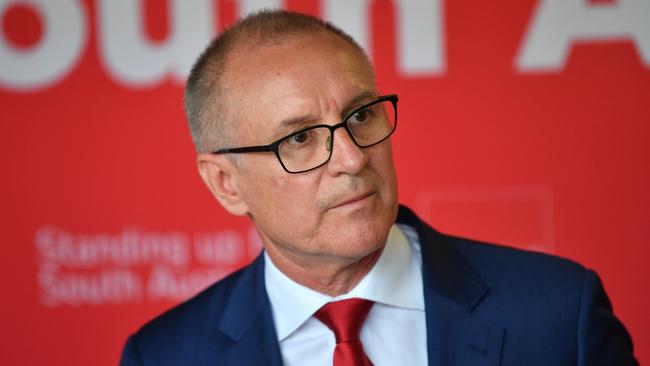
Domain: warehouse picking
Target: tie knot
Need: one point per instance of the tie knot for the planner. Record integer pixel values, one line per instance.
(345, 318)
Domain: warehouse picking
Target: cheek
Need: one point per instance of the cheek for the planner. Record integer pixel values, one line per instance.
(279, 195)
(296, 193)
(283, 196)
(382, 161)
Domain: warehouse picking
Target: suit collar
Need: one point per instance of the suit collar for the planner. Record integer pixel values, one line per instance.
(445, 271)
(453, 290)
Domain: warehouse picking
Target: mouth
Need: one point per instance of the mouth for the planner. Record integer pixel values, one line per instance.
(354, 201)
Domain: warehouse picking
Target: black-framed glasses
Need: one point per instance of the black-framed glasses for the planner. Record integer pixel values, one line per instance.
(311, 147)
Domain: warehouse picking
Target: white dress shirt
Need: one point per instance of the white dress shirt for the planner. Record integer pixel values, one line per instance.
(395, 330)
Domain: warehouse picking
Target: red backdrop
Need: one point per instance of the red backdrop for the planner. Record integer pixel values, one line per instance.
(523, 122)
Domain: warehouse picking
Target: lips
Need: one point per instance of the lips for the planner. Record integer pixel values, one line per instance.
(352, 200)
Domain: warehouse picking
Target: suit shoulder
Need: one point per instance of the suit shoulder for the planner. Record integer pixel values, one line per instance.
(497, 252)
(209, 300)
(176, 331)
(500, 266)
(495, 262)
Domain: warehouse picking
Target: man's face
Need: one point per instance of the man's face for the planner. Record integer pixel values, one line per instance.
(340, 211)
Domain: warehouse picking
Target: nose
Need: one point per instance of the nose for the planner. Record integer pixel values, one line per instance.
(346, 157)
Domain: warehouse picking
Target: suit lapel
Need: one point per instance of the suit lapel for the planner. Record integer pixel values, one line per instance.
(452, 290)
(248, 321)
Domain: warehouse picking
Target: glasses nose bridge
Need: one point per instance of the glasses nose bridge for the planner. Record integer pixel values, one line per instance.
(343, 124)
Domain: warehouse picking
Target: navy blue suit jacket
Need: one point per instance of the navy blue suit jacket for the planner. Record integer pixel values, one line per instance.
(485, 305)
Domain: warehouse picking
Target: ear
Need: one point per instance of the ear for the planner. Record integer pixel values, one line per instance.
(219, 173)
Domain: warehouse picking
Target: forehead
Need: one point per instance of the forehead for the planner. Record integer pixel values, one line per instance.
(305, 76)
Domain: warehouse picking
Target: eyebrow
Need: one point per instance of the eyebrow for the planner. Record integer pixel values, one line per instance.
(358, 101)
(296, 123)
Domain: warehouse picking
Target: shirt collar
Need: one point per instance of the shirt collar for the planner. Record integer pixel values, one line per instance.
(395, 280)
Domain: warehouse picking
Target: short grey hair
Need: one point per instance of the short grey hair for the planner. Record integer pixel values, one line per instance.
(206, 100)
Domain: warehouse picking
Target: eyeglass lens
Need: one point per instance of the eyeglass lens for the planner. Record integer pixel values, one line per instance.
(308, 149)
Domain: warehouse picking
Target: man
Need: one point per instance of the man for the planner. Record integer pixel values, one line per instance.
(292, 131)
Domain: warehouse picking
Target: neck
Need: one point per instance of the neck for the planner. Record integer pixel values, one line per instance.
(329, 276)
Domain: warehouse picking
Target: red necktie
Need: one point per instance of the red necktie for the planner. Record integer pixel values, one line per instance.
(345, 318)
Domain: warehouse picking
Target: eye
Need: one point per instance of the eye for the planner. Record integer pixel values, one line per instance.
(299, 138)
(361, 116)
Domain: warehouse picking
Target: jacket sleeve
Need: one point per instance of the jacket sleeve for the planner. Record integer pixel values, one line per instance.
(130, 356)
(602, 338)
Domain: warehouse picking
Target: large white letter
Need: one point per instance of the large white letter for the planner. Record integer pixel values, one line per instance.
(421, 45)
(351, 17)
(64, 35)
(557, 24)
(133, 59)
(248, 6)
